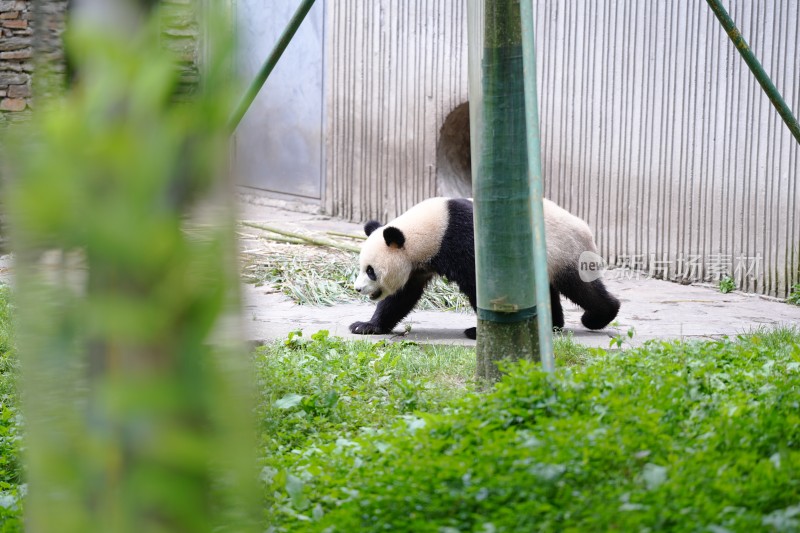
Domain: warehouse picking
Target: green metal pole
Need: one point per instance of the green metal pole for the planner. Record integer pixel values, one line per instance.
(506, 292)
(270, 63)
(755, 66)
(535, 180)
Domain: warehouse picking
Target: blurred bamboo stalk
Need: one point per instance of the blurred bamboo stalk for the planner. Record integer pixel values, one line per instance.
(134, 387)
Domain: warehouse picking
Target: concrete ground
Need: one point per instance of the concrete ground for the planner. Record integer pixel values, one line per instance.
(655, 309)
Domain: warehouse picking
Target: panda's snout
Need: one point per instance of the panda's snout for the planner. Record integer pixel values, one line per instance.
(361, 284)
(374, 295)
(364, 286)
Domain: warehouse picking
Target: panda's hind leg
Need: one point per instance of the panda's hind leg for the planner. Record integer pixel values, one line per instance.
(600, 307)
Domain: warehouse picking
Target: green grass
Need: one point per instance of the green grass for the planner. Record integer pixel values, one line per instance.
(10, 423)
(327, 384)
(669, 437)
(8, 362)
(568, 352)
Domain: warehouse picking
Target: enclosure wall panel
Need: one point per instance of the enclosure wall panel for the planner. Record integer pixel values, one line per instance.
(656, 133)
(395, 70)
(653, 128)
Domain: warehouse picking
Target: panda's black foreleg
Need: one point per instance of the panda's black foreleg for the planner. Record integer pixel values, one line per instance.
(391, 310)
(555, 308)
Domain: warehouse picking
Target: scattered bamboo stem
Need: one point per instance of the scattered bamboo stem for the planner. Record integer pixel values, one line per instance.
(348, 235)
(278, 238)
(312, 240)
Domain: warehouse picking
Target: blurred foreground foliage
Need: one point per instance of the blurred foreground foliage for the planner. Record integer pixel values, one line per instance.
(134, 397)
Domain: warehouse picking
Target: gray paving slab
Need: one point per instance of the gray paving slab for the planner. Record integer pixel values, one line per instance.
(655, 309)
(268, 316)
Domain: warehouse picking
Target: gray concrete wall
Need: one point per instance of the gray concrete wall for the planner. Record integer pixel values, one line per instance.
(279, 143)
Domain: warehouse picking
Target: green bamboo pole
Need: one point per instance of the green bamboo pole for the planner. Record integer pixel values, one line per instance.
(270, 63)
(535, 180)
(755, 67)
(507, 320)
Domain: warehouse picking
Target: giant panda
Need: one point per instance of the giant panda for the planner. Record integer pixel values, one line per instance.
(436, 237)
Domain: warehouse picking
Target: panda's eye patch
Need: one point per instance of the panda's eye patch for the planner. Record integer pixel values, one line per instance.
(371, 273)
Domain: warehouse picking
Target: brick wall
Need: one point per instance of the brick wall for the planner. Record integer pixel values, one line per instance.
(16, 53)
(17, 50)
(180, 32)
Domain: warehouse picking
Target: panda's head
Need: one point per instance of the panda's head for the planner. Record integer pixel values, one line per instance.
(384, 263)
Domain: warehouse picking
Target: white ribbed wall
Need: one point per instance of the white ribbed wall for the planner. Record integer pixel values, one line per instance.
(657, 134)
(653, 128)
(394, 70)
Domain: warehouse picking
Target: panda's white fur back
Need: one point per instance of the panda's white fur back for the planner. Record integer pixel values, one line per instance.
(566, 237)
(424, 226)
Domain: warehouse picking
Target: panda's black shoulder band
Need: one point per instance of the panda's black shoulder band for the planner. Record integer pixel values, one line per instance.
(371, 226)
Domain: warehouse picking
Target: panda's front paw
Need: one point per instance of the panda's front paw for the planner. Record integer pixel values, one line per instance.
(471, 333)
(365, 328)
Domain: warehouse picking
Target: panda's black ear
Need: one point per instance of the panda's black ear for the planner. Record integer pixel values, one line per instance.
(371, 226)
(394, 237)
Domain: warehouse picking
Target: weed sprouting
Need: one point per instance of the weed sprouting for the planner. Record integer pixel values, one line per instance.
(794, 295)
(726, 285)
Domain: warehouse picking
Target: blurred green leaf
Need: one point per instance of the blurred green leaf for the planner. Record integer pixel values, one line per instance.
(289, 401)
